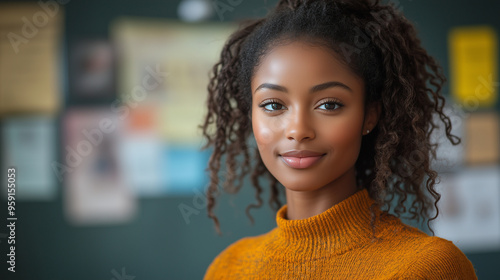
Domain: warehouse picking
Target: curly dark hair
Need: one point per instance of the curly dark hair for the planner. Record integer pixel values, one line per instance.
(379, 44)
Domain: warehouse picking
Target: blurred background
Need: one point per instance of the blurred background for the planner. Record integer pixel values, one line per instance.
(99, 107)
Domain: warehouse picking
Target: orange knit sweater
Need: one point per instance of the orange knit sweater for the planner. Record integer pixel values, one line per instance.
(338, 244)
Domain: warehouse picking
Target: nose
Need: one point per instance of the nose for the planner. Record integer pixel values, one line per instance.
(300, 127)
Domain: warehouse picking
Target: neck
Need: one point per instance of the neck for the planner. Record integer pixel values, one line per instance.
(305, 204)
(344, 226)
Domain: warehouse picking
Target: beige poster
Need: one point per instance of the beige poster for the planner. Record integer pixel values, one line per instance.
(179, 57)
(482, 138)
(30, 39)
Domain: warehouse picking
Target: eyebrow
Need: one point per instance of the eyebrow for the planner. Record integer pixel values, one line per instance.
(315, 88)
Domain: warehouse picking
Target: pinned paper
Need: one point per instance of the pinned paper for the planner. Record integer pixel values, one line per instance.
(170, 61)
(469, 209)
(95, 191)
(29, 145)
(92, 72)
(185, 170)
(30, 45)
(482, 138)
(473, 66)
(141, 152)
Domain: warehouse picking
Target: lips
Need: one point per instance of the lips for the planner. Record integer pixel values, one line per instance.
(301, 159)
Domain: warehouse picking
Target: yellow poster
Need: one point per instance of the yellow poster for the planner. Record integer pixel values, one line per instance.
(473, 66)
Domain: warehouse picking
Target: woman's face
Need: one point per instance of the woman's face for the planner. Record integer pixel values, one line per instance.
(307, 115)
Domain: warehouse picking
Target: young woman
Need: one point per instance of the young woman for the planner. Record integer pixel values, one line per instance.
(339, 96)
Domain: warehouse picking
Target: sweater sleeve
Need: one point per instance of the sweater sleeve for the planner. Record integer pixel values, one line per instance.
(441, 259)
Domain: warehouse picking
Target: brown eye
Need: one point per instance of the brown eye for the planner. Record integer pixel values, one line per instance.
(330, 105)
(276, 106)
(272, 106)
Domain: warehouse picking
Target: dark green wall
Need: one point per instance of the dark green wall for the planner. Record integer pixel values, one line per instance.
(158, 244)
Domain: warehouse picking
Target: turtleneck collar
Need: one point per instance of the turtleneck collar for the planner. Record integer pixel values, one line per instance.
(344, 226)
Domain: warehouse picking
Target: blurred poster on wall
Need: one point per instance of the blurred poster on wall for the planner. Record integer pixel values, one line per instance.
(29, 146)
(184, 169)
(175, 59)
(482, 138)
(30, 48)
(92, 72)
(469, 209)
(141, 151)
(95, 191)
(473, 52)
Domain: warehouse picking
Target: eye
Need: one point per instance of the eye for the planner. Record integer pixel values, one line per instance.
(330, 105)
(272, 105)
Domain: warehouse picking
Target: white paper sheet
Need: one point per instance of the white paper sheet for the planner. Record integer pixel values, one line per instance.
(95, 192)
(29, 146)
(469, 209)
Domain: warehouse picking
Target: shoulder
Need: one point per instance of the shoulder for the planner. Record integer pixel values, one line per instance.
(438, 258)
(236, 248)
(423, 256)
(233, 254)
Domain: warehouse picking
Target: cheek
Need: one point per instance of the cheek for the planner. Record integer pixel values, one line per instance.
(344, 135)
(263, 133)
(267, 131)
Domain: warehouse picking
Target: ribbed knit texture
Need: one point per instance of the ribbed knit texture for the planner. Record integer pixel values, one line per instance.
(340, 243)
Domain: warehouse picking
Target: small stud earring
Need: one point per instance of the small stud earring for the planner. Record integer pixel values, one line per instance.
(367, 131)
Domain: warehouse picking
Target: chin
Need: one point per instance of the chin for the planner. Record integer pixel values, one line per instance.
(299, 188)
(301, 185)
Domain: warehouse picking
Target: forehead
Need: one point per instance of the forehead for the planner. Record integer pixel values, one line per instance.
(301, 63)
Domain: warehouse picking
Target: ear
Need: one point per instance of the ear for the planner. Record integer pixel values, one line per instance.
(372, 115)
